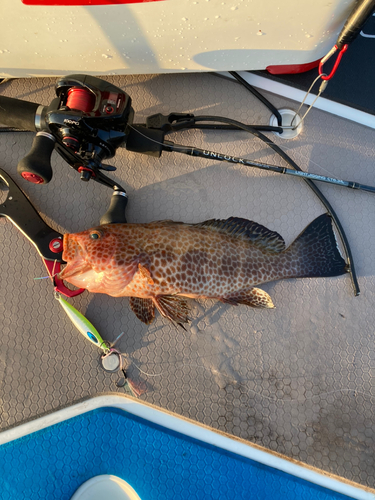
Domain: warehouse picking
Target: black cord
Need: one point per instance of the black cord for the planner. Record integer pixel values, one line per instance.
(310, 183)
(263, 128)
(13, 129)
(257, 94)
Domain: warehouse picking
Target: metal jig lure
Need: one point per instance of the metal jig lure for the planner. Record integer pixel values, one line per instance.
(111, 360)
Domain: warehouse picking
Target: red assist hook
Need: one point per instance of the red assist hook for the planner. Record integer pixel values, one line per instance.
(336, 65)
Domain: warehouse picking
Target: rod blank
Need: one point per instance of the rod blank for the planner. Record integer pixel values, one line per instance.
(203, 153)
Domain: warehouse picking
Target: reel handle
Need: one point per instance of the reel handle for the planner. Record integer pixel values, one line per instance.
(116, 211)
(36, 166)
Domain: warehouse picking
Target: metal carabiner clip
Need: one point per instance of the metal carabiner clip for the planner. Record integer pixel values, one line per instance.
(328, 56)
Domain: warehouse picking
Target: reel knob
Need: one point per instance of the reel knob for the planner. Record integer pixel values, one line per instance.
(36, 166)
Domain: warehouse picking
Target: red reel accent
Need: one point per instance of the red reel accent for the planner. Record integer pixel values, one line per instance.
(80, 99)
(34, 178)
(86, 169)
(71, 142)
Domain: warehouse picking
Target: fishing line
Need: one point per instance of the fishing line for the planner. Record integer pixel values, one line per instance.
(259, 393)
(243, 380)
(124, 358)
(322, 88)
(299, 153)
(49, 275)
(303, 400)
(46, 277)
(175, 146)
(145, 373)
(306, 158)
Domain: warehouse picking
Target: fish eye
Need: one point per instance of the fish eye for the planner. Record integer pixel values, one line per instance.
(95, 235)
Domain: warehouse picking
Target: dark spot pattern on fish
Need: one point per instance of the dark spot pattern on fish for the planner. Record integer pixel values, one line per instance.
(216, 259)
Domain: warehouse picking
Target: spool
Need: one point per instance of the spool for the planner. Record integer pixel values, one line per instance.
(80, 99)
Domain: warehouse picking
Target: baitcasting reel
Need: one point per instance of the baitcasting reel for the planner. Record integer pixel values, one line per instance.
(87, 121)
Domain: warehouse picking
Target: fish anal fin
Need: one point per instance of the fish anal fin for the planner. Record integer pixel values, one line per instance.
(172, 307)
(144, 309)
(251, 231)
(253, 297)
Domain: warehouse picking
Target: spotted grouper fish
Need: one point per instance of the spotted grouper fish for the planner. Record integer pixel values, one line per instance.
(159, 263)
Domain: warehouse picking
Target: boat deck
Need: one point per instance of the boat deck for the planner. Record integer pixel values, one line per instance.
(297, 380)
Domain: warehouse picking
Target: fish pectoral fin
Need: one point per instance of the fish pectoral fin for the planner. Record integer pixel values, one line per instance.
(172, 307)
(253, 297)
(146, 274)
(144, 309)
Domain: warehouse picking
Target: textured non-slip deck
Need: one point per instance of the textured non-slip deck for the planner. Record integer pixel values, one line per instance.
(298, 379)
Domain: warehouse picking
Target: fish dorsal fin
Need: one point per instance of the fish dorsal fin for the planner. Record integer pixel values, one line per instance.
(162, 223)
(249, 230)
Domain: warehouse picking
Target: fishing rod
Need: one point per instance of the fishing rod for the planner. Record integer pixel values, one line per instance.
(91, 118)
(204, 153)
(191, 121)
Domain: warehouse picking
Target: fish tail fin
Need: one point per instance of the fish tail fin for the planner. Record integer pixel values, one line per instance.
(315, 252)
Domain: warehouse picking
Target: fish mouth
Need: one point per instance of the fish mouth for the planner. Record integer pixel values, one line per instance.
(74, 255)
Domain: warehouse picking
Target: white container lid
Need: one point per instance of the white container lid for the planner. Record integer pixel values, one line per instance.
(104, 487)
